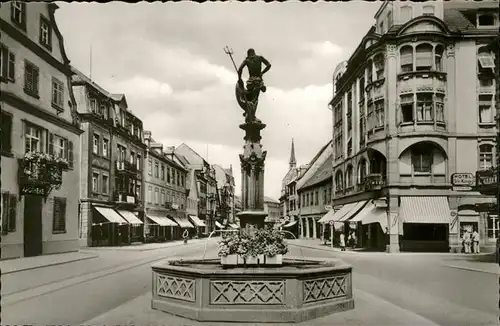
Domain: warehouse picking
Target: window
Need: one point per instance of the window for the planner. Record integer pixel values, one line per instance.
(95, 147)
(102, 110)
(311, 203)
(421, 159)
(406, 14)
(183, 184)
(407, 108)
(324, 196)
(58, 146)
(440, 107)
(369, 71)
(93, 105)
(31, 76)
(406, 58)
(8, 212)
(379, 114)
(349, 111)
(150, 194)
(362, 129)
(45, 33)
(156, 170)
(486, 60)
(59, 218)
(428, 10)
(492, 227)
(7, 64)
(362, 88)
(95, 182)
(157, 200)
(18, 13)
(138, 192)
(316, 199)
(33, 139)
(424, 107)
(438, 58)
(485, 156)
(348, 176)
(132, 158)
(150, 167)
(486, 108)
(138, 159)
(371, 116)
(162, 172)
(57, 93)
(338, 181)
(6, 133)
(362, 171)
(423, 58)
(105, 184)
(105, 146)
(486, 20)
(379, 63)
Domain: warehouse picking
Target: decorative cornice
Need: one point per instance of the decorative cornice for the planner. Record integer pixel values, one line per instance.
(39, 112)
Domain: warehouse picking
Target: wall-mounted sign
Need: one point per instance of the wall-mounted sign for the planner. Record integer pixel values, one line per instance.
(130, 200)
(462, 179)
(462, 188)
(328, 207)
(380, 203)
(487, 181)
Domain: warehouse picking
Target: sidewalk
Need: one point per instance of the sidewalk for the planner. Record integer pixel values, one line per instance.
(27, 263)
(490, 268)
(369, 310)
(151, 246)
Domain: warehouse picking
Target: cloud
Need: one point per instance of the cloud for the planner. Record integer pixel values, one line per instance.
(142, 87)
(325, 48)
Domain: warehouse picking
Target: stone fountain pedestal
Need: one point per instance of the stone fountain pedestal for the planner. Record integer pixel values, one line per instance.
(252, 162)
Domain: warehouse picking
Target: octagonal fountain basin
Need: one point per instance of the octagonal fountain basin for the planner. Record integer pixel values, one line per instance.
(298, 290)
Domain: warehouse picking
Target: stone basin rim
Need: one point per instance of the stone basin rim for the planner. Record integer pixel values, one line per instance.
(323, 266)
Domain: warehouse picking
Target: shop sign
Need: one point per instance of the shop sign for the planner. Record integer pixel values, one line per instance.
(328, 207)
(130, 200)
(337, 207)
(487, 181)
(462, 179)
(462, 188)
(380, 203)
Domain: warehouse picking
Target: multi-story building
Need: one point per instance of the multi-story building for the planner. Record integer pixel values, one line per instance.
(111, 187)
(165, 184)
(40, 144)
(413, 106)
(272, 208)
(225, 195)
(314, 193)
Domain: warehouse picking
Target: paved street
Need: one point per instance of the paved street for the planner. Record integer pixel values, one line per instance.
(403, 289)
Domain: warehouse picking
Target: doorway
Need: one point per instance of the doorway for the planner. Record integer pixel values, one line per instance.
(32, 225)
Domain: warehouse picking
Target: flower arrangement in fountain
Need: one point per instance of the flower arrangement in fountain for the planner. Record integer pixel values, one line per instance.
(268, 242)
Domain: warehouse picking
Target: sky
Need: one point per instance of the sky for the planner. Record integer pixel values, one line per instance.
(168, 60)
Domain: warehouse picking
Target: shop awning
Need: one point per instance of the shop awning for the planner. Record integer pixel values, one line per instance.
(161, 220)
(354, 210)
(196, 220)
(373, 214)
(338, 215)
(220, 226)
(130, 217)
(111, 215)
(234, 226)
(289, 225)
(183, 222)
(425, 209)
(468, 215)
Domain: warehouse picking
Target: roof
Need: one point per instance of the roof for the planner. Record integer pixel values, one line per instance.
(323, 173)
(80, 77)
(269, 199)
(457, 21)
(318, 154)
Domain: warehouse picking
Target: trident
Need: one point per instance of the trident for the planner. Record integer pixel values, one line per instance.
(230, 52)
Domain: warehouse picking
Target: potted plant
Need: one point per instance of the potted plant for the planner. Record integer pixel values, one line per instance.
(228, 250)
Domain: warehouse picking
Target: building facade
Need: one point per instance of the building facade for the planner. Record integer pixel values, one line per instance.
(111, 187)
(40, 134)
(414, 106)
(272, 208)
(225, 194)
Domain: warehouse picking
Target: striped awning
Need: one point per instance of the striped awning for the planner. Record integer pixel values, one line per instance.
(161, 220)
(183, 222)
(196, 220)
(130, 217)
(372, 214)
(354, 210)
(217, 224)
(338, 215)
(425, 209)
(111, 215)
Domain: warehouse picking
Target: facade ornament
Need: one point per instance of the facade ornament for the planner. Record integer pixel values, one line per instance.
(390, 50)
(450, 50)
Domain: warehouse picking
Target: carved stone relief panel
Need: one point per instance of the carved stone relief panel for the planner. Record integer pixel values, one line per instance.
(247, 292)
(325, 288)
(175, 287)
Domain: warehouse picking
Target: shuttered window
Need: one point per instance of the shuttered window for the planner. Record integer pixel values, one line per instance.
(59, 221)
(6, 133)
(8, 212)
(31, 76)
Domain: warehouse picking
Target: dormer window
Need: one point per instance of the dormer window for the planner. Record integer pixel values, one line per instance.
(428, 10)
(93, 105)
(486, 20)
(45, 33)
(18, 13)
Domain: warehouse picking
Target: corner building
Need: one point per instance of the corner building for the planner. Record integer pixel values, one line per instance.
(38, 116)
(412, 106)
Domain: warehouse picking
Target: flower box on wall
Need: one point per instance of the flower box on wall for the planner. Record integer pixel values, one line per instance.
(257, 260)
(274, 260)
(229, 260)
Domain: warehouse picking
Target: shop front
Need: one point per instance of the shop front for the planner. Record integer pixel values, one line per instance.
(199, 225)
(371, 225)
(108, 227)
(135, 226)
(184, 224)
(160, 228)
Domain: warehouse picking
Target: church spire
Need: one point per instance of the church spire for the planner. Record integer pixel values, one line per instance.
(293, 162)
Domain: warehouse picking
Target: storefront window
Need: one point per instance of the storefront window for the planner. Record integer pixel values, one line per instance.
(493, 227)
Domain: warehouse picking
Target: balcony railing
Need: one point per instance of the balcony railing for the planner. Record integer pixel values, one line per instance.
(374, 181)
(123, 197)
(125, 167)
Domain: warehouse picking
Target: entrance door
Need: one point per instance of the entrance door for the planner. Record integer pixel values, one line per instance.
(32, 226)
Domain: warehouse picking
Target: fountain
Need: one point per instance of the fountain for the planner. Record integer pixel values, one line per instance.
(248, 289)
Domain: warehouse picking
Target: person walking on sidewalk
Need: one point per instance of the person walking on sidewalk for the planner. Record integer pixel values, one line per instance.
(475, 242)
(352, 241)
(467, 241)
(342, 242)
(185, 235)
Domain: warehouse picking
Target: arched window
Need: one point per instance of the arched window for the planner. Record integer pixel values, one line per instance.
(406, 58)
(362, 171)
(406, 14)
(349, 176)
(338, 181)
(485, 156)
(379, 65)
(438, 58)
(369, 71)
(421, 158)
(423, 57)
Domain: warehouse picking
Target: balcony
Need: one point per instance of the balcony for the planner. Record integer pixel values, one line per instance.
(122, 197)
(125, 167)
(374, 181)
(487, 181)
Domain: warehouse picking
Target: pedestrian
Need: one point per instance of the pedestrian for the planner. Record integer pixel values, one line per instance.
(475, 242)
(185, 235)
(353, 240)
(467, 241)
(342, 242)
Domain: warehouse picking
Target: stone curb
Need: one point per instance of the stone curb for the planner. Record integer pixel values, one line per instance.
(139, 249)
(472, 269)
(91, 256)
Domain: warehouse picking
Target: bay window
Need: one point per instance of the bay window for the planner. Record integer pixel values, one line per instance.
(407, 108)
(369, 71)
(424, 107)
(421, 159)
(485, 156)
(349, 176)
(406, 58)
(379, 65)
(379, 114)
(486, 108)
(423, 57)
(438, 58)
(440, 107)
(371, 116)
